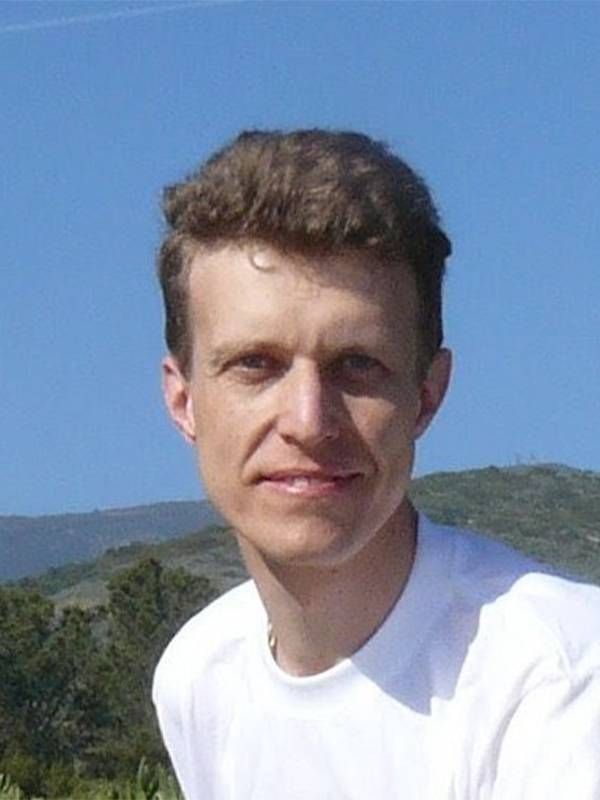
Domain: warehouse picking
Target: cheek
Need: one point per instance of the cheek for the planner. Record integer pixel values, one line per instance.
(387, 426)
(223, 434)
(211, 432)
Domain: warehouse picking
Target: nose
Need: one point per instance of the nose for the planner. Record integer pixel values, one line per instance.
(308, 412)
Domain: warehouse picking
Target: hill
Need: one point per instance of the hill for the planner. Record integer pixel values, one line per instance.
(549, 511)
(211, 552)
(30, 545)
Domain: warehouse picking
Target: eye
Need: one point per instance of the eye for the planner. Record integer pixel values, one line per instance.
(254, 367)
(358, 367)
(358, 362)
(255, 361)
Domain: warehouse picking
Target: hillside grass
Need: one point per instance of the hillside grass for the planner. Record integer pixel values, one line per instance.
(550, 512)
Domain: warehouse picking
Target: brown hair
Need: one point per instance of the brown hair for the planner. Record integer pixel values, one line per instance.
(307, 192)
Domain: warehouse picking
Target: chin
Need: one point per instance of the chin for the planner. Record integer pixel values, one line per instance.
(323, 546)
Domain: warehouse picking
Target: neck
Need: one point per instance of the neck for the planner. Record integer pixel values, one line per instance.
(321, 615)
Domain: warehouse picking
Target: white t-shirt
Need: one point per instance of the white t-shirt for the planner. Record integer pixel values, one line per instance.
(483, 683)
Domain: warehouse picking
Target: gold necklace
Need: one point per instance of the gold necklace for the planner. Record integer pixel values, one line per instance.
(271, 639)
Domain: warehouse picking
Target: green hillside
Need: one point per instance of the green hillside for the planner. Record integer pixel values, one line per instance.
(211, 553)
(548, 511)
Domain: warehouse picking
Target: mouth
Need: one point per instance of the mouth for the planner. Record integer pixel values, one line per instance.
(301, 483)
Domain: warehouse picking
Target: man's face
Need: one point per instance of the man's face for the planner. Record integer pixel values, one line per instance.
(303, 400)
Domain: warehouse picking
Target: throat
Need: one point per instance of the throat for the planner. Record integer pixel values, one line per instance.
(318, 618)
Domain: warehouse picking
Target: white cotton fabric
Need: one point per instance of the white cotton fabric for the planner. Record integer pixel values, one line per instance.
(483, 683)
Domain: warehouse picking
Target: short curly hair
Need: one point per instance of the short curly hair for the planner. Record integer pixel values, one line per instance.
(310, 192)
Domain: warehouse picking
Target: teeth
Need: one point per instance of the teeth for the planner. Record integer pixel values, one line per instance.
(303, 481)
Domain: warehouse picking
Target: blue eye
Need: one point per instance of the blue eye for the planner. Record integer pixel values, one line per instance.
(255, 362)
(358, 362)
(254, 367)
(358, 368)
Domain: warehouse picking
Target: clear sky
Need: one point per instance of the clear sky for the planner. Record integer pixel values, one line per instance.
(103, 103)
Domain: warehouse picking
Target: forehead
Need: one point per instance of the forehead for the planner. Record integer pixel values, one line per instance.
(259, 286)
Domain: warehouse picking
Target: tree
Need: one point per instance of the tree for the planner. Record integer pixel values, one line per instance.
(25, 625)
(147, 604)
(52, 699)
(75, 686)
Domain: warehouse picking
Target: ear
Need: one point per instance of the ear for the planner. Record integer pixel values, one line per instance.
(178, 398)
(433, 389)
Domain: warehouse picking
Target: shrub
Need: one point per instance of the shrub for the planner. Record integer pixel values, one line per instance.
(9, 790)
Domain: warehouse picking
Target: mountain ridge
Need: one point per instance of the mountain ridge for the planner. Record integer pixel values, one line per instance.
(31, 545)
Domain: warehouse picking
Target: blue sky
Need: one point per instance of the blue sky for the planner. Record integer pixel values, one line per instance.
(496, 104)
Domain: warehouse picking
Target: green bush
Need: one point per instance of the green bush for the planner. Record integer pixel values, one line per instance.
(9, 790)
(24, 770)
(150, 783)
(59, 781)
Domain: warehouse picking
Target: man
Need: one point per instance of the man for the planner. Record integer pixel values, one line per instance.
(374, 654)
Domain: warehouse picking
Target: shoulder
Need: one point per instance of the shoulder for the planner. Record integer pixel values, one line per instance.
(215, 636)
(522, 605)
(559, 616)
(519, 647)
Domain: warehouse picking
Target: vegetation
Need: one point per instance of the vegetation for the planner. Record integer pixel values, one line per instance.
(75, 685)
(9, 790)
(149, 783)
(549, 511)
(211, 552)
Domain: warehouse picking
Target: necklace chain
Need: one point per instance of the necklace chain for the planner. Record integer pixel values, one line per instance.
(271, 639)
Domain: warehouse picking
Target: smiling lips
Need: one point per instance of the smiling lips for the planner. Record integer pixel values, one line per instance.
(301, 483)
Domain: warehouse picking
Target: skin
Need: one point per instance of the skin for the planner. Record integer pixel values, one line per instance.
(304, 405)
